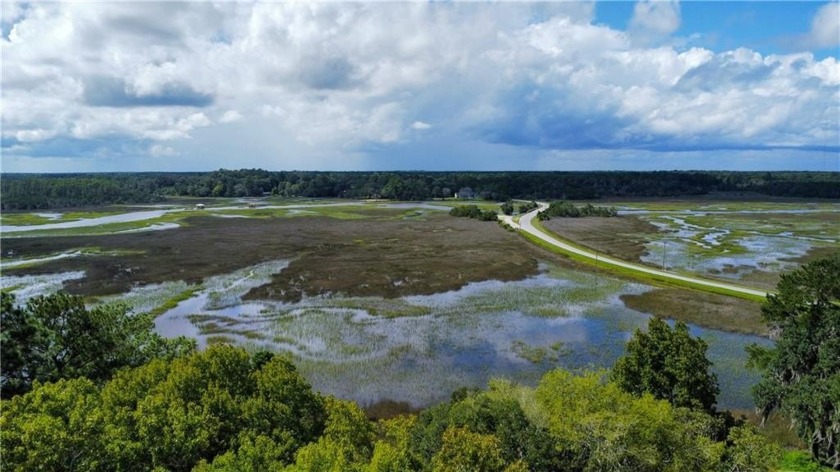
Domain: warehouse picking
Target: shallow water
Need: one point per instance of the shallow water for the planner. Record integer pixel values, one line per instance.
(466, 337)
(50, 216)
(87, 222)
(418, 205)
(160, 210)
(758, 247)
(10, 263)
(25, 287)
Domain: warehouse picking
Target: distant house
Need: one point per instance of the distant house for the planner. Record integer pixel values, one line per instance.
(200, 206)
(465, 193)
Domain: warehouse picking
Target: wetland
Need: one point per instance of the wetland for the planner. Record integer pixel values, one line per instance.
(401, 304)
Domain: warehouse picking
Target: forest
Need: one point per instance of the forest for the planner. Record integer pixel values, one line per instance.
(45, 191)
(73, 402)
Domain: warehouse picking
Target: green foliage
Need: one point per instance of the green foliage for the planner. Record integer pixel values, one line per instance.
(55, 427)
(799, 461)
(504, 419)
(668, 364)
(802, 372)
(226, 410)
(601, 427)
(528, 207)
(565, 209)
(391, 451)
(750, 451)
(29, 191)
(215, 410)
(463, 450)
(56, 337)
(473, 211)
(507, 207)
(348, 434)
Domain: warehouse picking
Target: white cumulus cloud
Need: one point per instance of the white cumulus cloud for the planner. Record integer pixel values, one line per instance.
(338, 83)
(158, 150)
(230, 116)
(654, 20)
(825, 27)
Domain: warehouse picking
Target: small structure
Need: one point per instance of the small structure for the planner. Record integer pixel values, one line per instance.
(199, 206)
(465, 193)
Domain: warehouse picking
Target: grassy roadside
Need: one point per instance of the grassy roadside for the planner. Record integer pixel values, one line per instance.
(628, 272)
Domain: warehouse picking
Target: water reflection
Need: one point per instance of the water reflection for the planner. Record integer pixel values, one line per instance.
(345, 351)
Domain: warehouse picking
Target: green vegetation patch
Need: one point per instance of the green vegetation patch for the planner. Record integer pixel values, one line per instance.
(164, 221)
(539, 354)
(628, 272)
(703, 309)
(800, 461)
(385, 307)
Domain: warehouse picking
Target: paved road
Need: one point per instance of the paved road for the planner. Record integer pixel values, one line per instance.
(525, 224)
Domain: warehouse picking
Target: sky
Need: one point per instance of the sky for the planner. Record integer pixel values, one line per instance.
(664, 85)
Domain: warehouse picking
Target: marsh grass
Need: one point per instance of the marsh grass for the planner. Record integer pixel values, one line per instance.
(628, 273)
(211, 340)
(540, 354)
(33, 218)
(481, 204)
(389, 308)
(700, 308)
(24, 219)
(29, 262)
(417, 349)
(164, 221)
(735, 245)
(155, 299)
(24, 287)
(702, 204)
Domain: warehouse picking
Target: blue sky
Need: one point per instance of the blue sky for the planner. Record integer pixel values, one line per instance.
(124, 86)
(778, 27)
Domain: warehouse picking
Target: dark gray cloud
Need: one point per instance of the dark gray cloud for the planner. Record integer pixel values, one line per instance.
(142, 28)
(113, 92)
(551, 118)
(328, 74)
(721, 72)
(63, 146)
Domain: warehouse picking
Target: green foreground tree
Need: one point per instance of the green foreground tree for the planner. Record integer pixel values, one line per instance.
(56, 337)
(220, 409)
(669, 364)
(226, 410)
(802, 373)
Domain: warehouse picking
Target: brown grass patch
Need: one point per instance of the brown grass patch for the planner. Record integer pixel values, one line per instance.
(777, 428)
(703, 309)
(386, 258)
(622, 237)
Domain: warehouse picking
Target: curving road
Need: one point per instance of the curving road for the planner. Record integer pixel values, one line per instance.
(525, 224)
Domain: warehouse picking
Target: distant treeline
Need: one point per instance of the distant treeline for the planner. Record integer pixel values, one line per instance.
(567, 210)
(31, 191)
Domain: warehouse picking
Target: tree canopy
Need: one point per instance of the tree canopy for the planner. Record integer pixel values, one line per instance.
(802, 372)
(37, 191)
(564, 209)
(473, 211)
(669, 364)
(174, 415)
(56, 337)
(224, 409)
